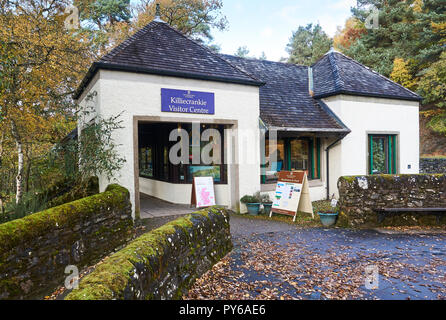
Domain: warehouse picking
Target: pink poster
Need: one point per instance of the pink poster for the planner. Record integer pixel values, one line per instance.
(204, 191)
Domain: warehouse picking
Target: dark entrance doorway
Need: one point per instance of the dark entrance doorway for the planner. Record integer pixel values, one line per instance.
(154, 148)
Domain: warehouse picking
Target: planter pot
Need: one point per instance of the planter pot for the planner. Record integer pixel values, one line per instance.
(328, 219)
(253, 208)
(267, 207)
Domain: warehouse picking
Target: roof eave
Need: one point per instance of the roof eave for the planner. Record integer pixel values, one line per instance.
(311, 130)
(135, 69)
(363, 94)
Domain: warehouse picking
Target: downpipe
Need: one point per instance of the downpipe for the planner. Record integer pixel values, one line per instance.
(327, 151)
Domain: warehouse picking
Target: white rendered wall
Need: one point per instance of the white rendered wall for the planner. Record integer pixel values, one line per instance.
(140, 95)
(365, 115)
(180, 193)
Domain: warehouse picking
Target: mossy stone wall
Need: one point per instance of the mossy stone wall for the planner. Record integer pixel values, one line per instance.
(35, 250)
(359, 195)
(163, 263)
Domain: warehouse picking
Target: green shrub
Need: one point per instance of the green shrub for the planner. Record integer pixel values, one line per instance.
(250, 199)
(56, 194)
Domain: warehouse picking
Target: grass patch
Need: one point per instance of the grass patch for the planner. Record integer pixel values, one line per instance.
(433, 157)
(302, 219)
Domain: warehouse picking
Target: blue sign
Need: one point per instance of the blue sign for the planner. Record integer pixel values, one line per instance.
(185, 101)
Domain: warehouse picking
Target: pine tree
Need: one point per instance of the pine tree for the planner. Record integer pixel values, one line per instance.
(242, 52)
(308, 44)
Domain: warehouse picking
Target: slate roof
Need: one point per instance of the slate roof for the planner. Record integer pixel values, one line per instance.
(336, 73)
(158, 48)
(284, 99)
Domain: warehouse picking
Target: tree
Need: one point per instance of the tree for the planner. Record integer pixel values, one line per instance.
(394, 38)
(407, 46)
(431, 37)
(41, 64)
(263, 56)
(308, 44)
(432, 87)
(193, 18)
(242, 52)
(104, 12)
(352, 31)
(401, 74)
(94, 152)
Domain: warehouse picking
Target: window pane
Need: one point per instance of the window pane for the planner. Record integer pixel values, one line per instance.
(299, 154)
(166, 162)
(316, 157)
(274, 159)
(204, 171)
(145, 162)
(379, 155)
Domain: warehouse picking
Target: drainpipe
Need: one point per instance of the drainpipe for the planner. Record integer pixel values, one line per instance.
(327, 150)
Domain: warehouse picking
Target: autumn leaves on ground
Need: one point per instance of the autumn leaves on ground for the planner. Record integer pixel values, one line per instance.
(312, 263)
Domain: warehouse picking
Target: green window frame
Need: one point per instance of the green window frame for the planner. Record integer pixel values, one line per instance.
(314, 157)
(382, 154)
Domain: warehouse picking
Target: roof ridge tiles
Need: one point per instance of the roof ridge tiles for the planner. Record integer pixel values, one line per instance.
(339, 82)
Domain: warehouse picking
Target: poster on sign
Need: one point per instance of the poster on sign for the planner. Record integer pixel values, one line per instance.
(203, 194)
(292, 194)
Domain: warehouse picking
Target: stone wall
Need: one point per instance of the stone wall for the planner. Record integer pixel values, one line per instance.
(163, 263)
(35, 250)
(359, 195)
(433, 165)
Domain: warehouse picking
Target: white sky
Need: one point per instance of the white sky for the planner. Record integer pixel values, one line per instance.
(264, 25)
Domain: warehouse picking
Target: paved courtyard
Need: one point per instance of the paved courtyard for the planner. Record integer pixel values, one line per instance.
(274, 260)
(152, 207)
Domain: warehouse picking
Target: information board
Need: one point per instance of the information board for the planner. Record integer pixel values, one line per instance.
(292, 194)
(203, 194)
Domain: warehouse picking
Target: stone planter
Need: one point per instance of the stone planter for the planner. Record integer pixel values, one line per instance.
(253, 208)
(328, 219)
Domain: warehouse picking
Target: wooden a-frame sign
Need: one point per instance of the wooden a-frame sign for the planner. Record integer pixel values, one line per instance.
(203, 194)
(292, 194)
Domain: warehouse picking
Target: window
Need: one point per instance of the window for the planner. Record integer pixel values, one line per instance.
(299, 155)
(291, 154)
(382, 156)
(274, 160)
(154, 147)
(205, 170)
(145, 163)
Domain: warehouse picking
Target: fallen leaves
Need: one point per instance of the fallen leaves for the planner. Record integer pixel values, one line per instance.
(266, 268)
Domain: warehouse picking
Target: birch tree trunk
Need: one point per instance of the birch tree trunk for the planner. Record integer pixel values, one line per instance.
(2, 207)
(20, 163)
(28, 167)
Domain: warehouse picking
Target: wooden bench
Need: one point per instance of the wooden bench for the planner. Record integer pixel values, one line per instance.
(383, 212)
